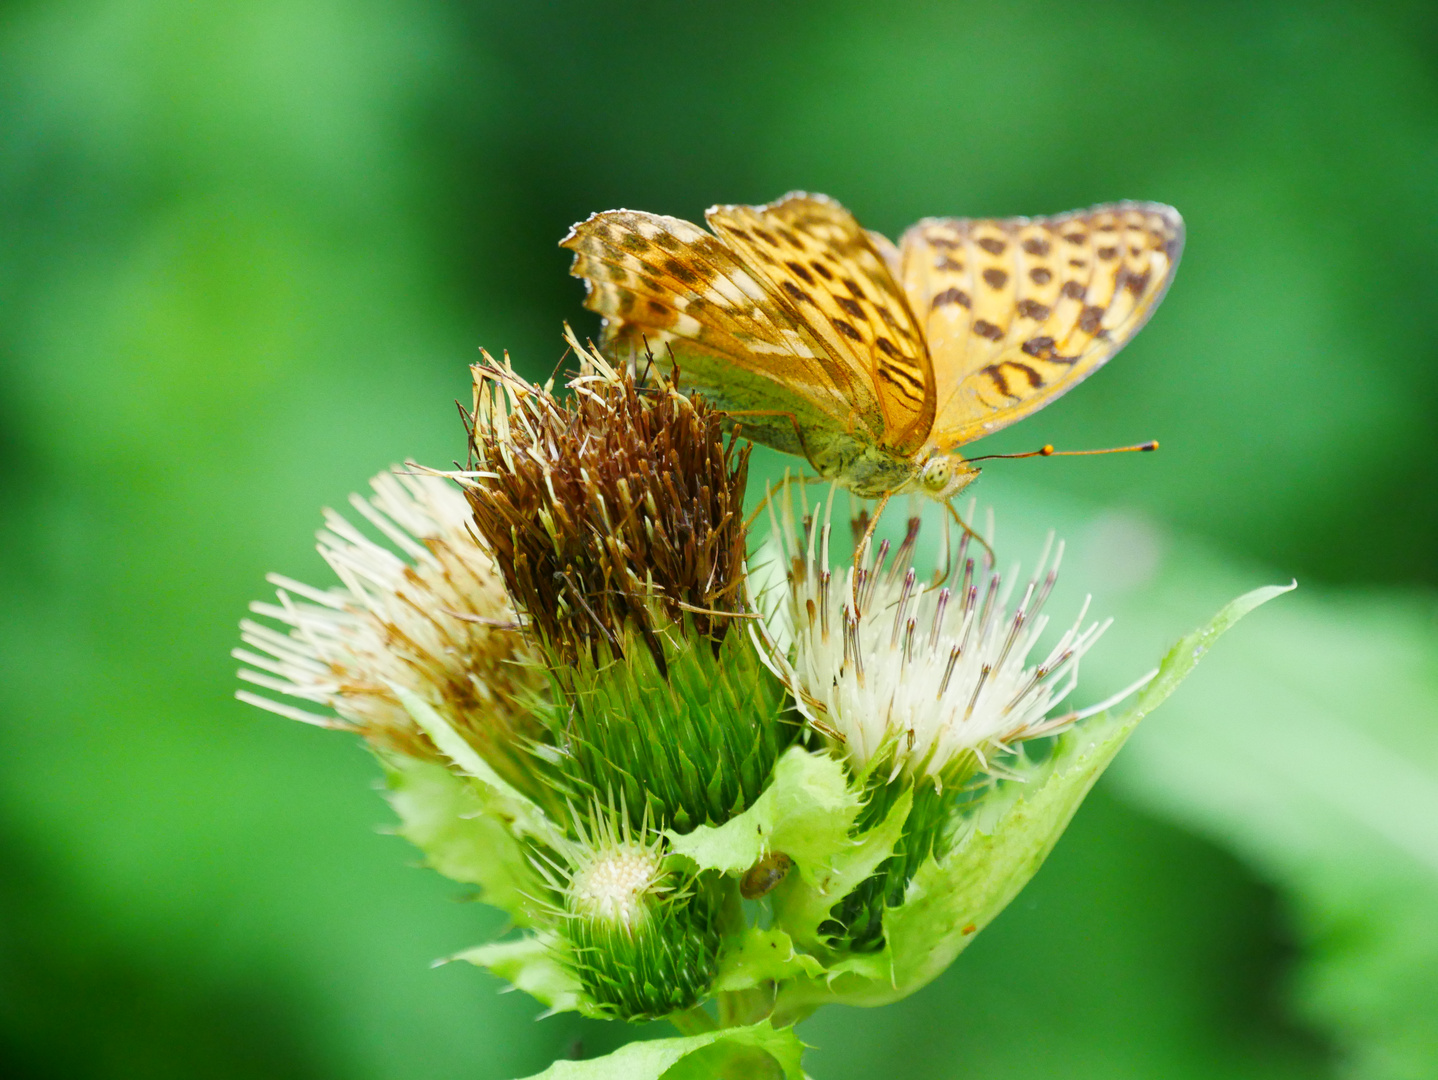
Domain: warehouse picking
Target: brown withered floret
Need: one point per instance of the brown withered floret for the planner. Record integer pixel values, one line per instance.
(618, 505)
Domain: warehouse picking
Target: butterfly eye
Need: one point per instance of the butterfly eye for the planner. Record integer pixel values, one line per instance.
(936, 474)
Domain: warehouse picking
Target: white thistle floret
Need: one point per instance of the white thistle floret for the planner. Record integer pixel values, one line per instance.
(433, 618)
(613, 885)
(610, 875)
(934, 676)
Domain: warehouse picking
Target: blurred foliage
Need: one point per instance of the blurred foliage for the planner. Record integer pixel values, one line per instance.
(1314, 756)
(1307, 745)
(249, 250)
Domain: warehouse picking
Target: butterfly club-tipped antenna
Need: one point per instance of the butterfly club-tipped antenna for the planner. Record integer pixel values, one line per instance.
(1048, 451)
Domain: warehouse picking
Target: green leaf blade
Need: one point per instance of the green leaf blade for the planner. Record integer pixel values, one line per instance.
(744, 1053)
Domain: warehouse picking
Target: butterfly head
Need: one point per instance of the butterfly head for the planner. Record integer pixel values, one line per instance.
(945, 475)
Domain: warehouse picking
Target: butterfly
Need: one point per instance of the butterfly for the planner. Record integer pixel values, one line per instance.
(876, 361)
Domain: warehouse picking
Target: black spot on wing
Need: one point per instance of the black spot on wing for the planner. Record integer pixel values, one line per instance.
(802, 271)
(798, 294)
(1041, 348)
(951, 295)
(996, 372)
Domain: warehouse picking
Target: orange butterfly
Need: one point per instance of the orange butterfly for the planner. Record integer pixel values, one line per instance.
(877, 362)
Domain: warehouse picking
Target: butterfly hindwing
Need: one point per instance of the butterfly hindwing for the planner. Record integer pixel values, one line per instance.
(1017, 311)
(826, 269)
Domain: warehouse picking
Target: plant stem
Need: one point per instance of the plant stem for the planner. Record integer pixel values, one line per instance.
(740, 1008)
(694, 1022)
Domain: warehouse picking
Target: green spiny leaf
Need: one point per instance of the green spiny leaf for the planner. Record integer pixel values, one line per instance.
(744, 1053)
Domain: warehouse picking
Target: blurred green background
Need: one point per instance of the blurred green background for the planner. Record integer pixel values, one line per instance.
(247, 251)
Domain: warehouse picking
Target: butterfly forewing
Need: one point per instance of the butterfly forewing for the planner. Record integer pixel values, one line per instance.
(1017, 311)
(821, 264)
(668, 287)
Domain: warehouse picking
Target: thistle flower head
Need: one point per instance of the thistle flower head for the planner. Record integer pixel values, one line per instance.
(615, 515)
(556, 662)
(924, 675)
(613, 873)
(618, 506)
(642, 940)
(428, 612)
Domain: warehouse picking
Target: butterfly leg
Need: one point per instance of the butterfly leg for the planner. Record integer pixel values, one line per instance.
(970, 532)
(803, 446)
(794, 420)
(754, 514)
(861, 550)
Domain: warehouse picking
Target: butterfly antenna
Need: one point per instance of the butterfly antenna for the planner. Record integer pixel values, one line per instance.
(1049, 451)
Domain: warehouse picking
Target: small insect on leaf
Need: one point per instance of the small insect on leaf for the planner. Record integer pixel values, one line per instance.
(764, 876)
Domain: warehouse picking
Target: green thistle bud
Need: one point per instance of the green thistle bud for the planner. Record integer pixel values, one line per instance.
(642, 942)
